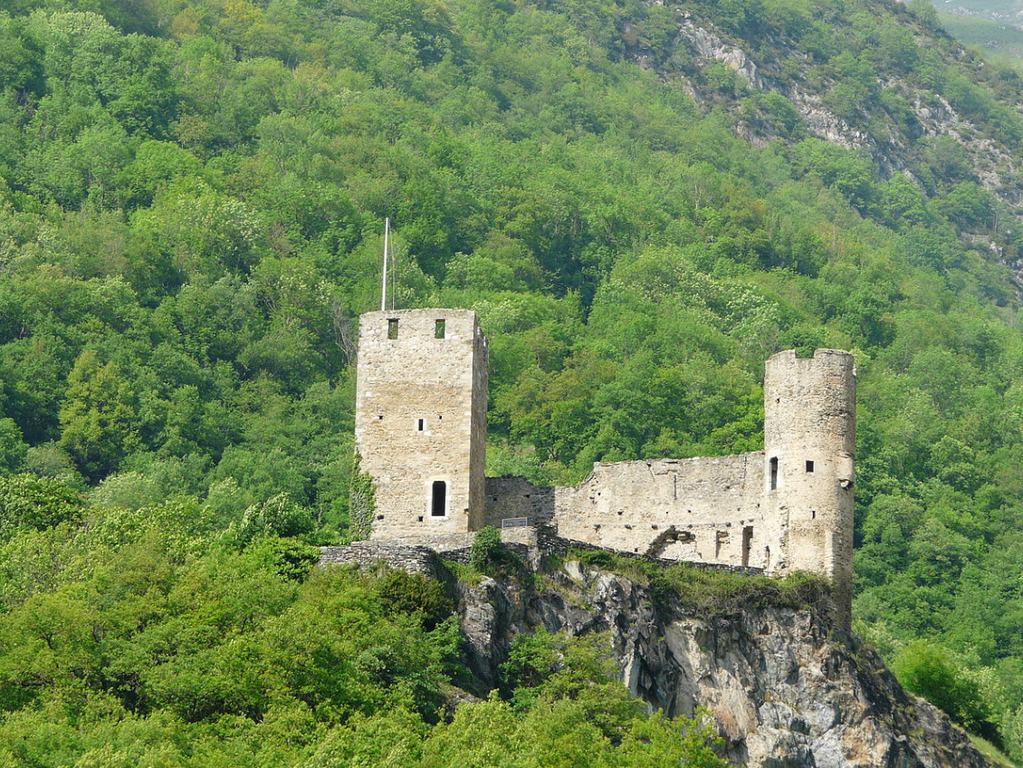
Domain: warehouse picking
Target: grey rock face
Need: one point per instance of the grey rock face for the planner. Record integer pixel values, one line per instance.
(786, 687)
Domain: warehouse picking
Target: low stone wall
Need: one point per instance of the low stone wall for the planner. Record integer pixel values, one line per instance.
(550, 543)
(531, 543)
(413, 559)
(522, 534)
(462, 555)
(438, 542)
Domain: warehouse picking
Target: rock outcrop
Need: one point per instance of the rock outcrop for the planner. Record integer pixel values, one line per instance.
(785, 685)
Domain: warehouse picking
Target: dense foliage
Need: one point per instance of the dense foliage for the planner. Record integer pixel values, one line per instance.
(151, 638)
(191, 198)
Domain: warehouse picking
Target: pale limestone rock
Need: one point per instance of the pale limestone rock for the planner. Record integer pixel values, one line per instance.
(787, 688)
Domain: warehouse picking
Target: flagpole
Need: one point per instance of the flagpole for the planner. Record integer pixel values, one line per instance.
(383, 292)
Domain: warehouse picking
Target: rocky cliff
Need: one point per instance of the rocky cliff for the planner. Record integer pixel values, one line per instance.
(786, 687)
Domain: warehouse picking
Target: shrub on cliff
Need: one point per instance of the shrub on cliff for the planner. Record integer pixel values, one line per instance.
(487, 550)
(928, 670)
(415, 595)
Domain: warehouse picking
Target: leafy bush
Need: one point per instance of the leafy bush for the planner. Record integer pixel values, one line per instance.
(285, 557)
(27, 501)
(279, 516)
(415, 595)
(487, 551)
(928, 670)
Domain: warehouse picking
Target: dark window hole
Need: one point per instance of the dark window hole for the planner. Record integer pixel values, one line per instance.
(439, 498)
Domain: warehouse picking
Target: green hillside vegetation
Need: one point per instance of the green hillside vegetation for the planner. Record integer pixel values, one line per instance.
(158, 639)
(999, 42)
(191, 204)
(988, 9)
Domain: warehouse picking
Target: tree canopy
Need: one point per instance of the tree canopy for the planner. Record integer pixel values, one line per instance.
(191, 203)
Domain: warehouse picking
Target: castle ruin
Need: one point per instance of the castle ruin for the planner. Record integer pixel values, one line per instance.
(420, 428)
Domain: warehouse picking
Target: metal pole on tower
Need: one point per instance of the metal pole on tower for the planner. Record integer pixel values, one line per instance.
(394, 276)
(383, 292)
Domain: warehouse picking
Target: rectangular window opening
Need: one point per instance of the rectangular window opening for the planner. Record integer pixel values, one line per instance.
(439, 499)
(438, 329)
(809, 466)
(392, 328)
(421, 424)
(747, 544)
(774, 473)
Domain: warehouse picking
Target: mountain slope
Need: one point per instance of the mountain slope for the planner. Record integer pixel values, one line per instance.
(191, 212)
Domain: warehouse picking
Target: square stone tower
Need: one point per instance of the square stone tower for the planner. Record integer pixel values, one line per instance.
(421, 419)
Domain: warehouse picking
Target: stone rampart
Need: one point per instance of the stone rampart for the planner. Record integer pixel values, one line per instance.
(532, 544)
(699, 509)
(550, 543)
(515, 498)
(694, 510)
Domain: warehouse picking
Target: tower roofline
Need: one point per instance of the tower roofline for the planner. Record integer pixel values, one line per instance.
(822, 352)
(440, 311)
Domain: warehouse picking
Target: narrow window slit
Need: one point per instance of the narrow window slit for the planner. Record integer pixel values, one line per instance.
(392, 328)
(774, 473)
(809, 466)
(438, 329)
(438, 506)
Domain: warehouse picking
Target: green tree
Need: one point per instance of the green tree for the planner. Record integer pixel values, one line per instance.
(928, 670)
(99, 424)
(29, 502)
(12, 447)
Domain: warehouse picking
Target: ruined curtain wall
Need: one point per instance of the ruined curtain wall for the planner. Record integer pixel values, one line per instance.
(701, 509)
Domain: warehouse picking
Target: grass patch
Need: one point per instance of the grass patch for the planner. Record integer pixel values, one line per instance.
(992, 753)
(710, 592)
(463, 572)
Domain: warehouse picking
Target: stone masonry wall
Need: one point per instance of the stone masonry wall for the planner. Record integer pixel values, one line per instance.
(420, 419)
(699, 509)
(366, 554)
(478, 428)
(516, 498)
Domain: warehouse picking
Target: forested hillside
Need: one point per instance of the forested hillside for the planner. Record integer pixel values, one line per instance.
(192, 195)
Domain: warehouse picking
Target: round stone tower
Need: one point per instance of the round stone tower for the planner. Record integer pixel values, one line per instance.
(809, 447)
